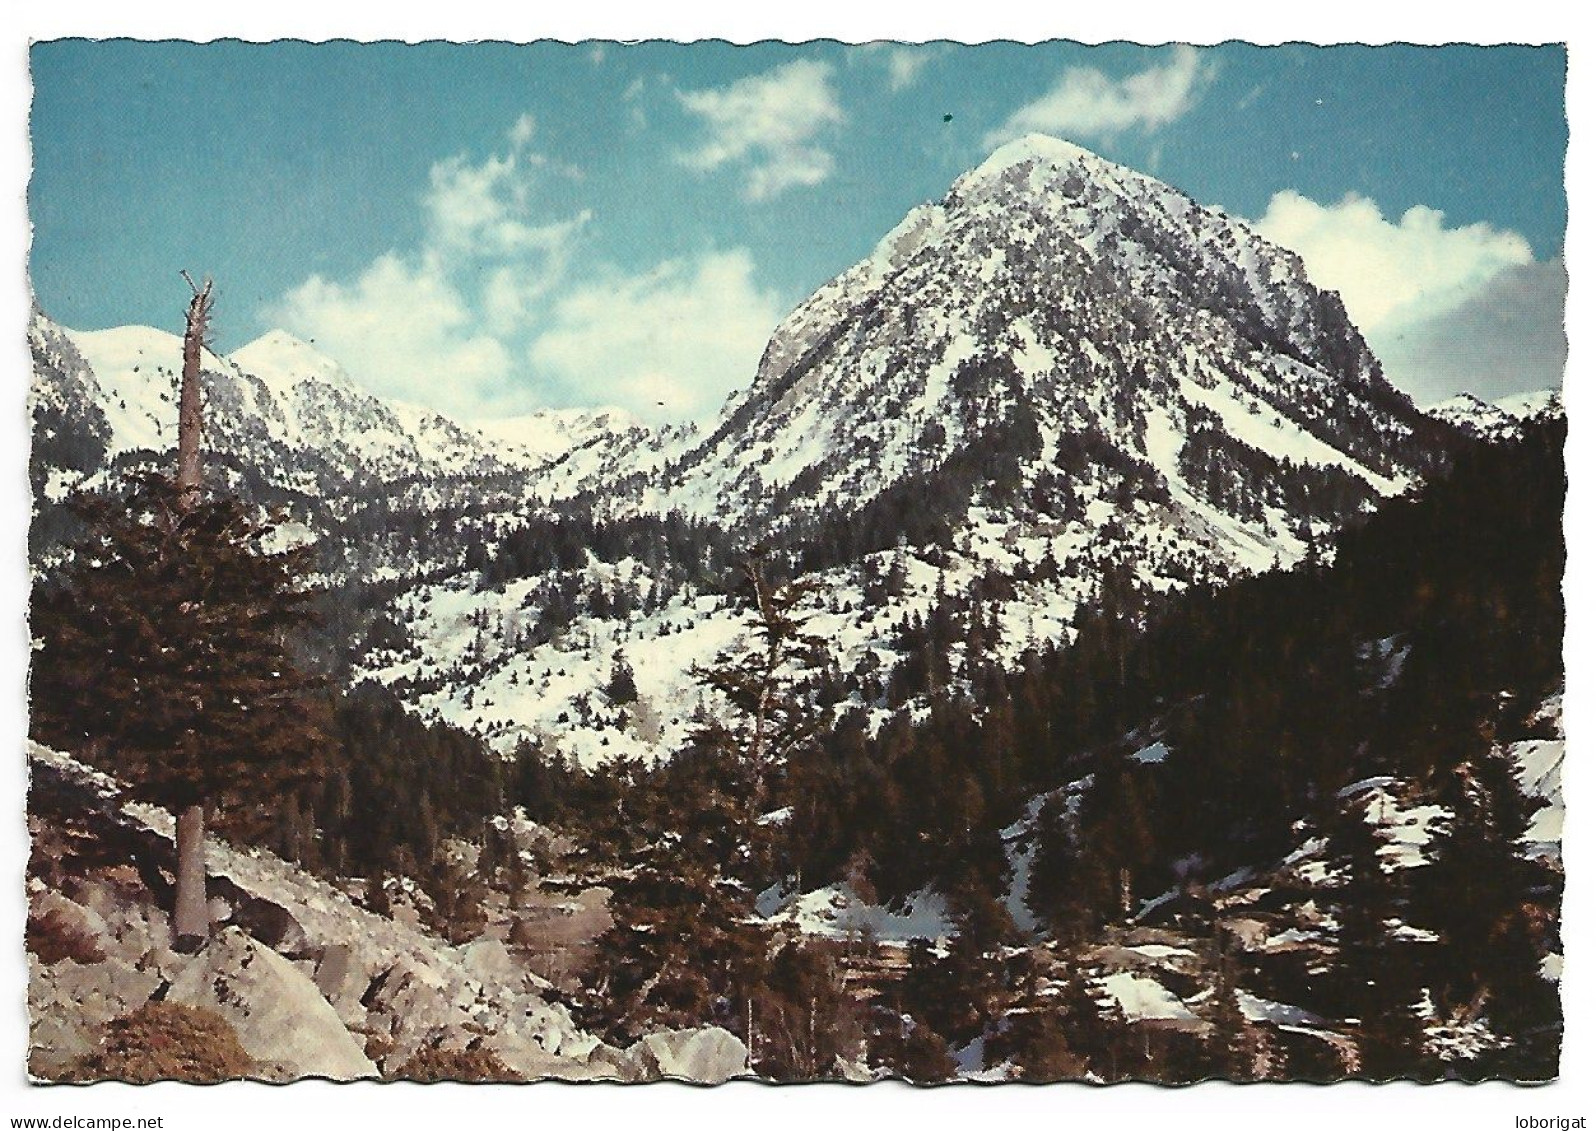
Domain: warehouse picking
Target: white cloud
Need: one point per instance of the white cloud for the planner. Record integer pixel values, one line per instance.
(903, 61)
(484, 318)
(666, 343)
(521, 133)
(485, 208)
(444, 324)
(1390, 274)
(1444, 309)
(1085, 102)
(405, 331)
(767, 126)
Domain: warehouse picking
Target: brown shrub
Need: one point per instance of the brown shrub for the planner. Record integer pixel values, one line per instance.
(54, 937)
(165, 1041)
(429, 1066)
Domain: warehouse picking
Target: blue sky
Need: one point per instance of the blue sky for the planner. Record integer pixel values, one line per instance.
(490, 229)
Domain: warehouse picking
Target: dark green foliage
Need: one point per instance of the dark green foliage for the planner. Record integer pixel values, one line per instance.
(164, 656)
(692, 846)
(774, 717)
(1263, 685)
(1421, 648)
(681, 952)
(916, 1052)
(806, 1023)
(673, 549)
(1245, 481)
(622, 687)
(394, 782)
(1039, 1045)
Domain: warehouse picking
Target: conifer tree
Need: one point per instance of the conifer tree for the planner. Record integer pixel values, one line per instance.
(772, 716)
(163, 653)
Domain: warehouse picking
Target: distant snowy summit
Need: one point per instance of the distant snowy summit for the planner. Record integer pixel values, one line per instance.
(280, 411)
(1502, 419)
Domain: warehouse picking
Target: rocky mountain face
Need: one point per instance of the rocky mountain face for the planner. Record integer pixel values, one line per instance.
(287, 427)
(1062, 385)
(1060, 332)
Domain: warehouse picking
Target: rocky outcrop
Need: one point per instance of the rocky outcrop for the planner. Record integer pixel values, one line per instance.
(313, 984)
(69, 1003)
(343, 977)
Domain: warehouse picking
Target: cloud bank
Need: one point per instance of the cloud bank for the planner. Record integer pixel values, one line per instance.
(1508, 338)
(1390, 273)
(485, 317)
(674, 340)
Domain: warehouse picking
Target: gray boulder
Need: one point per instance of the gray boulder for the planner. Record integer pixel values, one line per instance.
(280, 1016)
(343, 977)
(137, 932)
(414, 1002)
(273, 924)
(489, 961)
(710, 1055)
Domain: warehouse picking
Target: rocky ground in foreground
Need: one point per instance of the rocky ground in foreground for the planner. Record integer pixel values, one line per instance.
(298, 981)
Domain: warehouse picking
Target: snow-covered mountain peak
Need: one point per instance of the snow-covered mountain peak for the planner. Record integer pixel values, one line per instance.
(1056, 299)
(549, 433)
(126, 350)
(1070, 182)
(1541, 404)
(284, 361)
(1054, 152)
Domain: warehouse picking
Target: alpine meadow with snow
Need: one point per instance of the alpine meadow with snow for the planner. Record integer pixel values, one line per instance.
(1098, 635)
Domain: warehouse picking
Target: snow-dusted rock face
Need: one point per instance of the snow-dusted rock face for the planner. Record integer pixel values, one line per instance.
(1540, 772)
(287, 427)
(1090, 333)
(281, 412)
(276, 405)
(1062, 372)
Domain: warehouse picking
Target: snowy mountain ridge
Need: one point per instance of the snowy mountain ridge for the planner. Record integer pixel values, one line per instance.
(282, 405)
(1055, 292)
(1063, 381)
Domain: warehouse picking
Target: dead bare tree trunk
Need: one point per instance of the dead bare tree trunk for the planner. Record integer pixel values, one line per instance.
(188, 407)
(191, 918)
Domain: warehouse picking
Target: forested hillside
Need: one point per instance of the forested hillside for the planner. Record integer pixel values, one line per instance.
(1331, 749)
